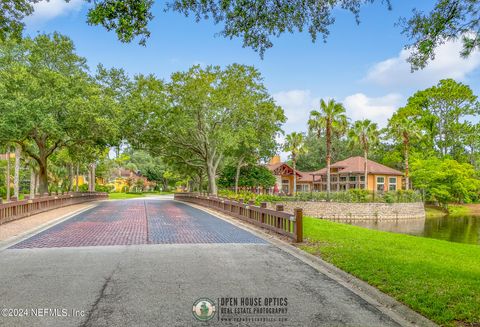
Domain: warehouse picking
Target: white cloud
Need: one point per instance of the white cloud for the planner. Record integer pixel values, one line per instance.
(47, 10)
(379, 109)
(297, 105)
(395, 72)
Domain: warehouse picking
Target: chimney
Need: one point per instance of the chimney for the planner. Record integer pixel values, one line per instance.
(274, 160)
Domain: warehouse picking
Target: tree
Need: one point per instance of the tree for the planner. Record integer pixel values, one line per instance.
(405, 130)
(439, 111)
(16, 178)
(329, 121)
(257, 22)
(449, 20)
(250, 176)
(49, 101)
(294, 143)
(446, 180)
(364, 133)
(203, 119)
(471, 139)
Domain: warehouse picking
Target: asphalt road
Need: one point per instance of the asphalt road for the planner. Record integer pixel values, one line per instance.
(145, 263)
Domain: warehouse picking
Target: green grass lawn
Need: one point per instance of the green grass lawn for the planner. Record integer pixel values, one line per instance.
(123, 196)
(436, 278)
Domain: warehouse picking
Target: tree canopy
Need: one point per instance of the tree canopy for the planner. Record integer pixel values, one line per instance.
(257, 22)
(49, 101)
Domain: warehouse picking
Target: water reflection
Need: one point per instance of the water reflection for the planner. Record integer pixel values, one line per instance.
(464, 229)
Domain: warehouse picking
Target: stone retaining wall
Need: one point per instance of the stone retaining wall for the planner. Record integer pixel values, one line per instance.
(356, 211)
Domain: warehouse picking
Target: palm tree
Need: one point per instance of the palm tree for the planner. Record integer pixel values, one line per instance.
(331, 119)
(406, 130)
(364, 133)
(294, 143)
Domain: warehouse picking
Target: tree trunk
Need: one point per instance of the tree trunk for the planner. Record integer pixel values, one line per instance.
(365, 154)
(329, 155)
(16, 179)
(212, 183)
(94, 166)
(42, 176)
(407, 178)
(77, 177)
(294, 177)
(237, 174)
(200, 181)
(33, 182)
(70, 177)
(8, 174)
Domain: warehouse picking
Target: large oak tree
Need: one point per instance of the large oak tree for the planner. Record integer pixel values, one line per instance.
(48, 100)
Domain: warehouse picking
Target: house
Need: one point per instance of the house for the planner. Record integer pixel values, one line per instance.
(344, 175)
(129, 180)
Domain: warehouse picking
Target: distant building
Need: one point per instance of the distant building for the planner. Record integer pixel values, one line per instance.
(344, 175)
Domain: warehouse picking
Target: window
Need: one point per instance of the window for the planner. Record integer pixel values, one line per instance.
(343, 179)
(353, 178)
(303, 188)
(285, 186)
(362, 178)
(392, 184)
(380, 183)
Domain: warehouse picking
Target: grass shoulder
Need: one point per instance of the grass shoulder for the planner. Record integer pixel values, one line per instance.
(436, 278)
(123, 196)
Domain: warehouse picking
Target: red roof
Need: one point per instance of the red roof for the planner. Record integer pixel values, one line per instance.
(356, 165)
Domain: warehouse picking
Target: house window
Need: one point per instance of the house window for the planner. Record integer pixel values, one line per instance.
(362, 178)
(285, 186)
(380, 183)
(352, 178)
(392, 184)
(343, 179)
(302, 188)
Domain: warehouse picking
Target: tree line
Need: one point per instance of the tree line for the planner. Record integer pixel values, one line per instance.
(434, 139)
(54, 110)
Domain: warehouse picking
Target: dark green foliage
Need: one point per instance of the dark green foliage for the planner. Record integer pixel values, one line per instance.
(128, 18)
(449, 20)
(258, 21)
(314, 159)
(350, 196)
(250, 176)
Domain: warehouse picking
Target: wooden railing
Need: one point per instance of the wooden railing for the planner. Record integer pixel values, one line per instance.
(275, 220)
(20, 209)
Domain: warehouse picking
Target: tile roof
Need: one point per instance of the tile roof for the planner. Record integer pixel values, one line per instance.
(356, 165)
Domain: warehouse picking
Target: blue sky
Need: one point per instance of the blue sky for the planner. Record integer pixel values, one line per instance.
(363, 66)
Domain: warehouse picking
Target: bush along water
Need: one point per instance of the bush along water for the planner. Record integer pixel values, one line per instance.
(349, 196)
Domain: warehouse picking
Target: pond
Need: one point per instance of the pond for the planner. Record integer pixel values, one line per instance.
(461, 229)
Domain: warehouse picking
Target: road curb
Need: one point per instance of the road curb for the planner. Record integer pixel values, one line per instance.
(31, 232)
(396, 310)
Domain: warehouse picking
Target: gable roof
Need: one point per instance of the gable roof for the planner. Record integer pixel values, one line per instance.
(275, 166)
(356, 165)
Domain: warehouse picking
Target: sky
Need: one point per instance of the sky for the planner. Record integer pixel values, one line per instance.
(363, 66)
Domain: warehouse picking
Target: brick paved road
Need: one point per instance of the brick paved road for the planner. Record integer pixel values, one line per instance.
(88, 264)
(139, 222)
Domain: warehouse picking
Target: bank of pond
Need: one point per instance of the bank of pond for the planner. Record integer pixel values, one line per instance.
(435, 277)
(453, 228)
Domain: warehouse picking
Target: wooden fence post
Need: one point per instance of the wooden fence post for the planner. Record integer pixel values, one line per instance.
(250, 211)
(299, 223)
(263, 205)
(279, 207)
